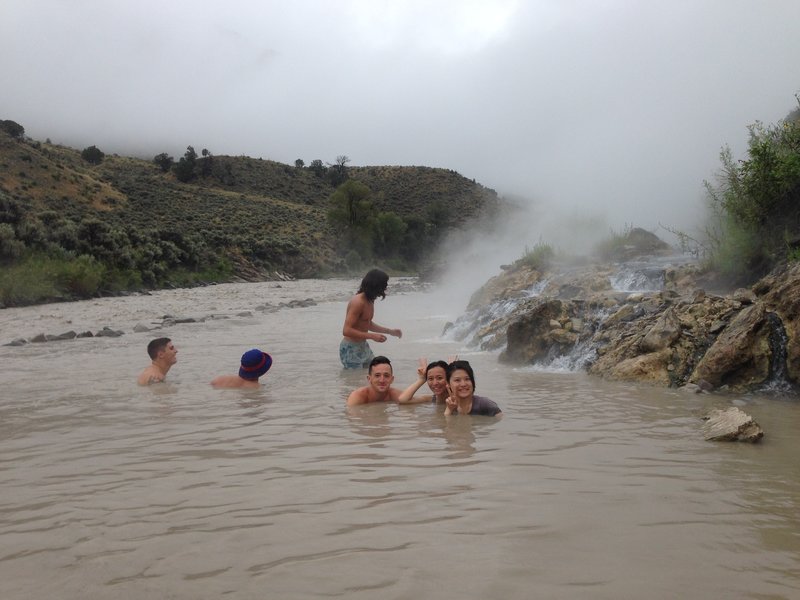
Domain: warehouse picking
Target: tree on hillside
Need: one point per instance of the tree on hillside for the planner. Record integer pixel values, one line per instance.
(93, 155)
(389, 230)
(164, 161)
(205, 164)
(12, 128)
(299, 163)
(318, 168)
(351, 213)
(184, 168)
(337, 172)
(351, 205)
(438, 218)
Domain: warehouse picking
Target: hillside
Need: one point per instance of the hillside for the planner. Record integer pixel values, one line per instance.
(126, 224)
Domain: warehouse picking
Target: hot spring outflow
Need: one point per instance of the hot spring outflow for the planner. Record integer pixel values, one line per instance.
(484, 328)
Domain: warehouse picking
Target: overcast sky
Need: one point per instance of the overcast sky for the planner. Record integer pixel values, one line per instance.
(604, 107)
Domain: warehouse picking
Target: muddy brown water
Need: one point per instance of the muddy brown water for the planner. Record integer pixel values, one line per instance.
(584, 489)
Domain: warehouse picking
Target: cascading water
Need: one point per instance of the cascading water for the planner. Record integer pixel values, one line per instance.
(638, 277)
(485, 327)
(778, 339)
(469, 325)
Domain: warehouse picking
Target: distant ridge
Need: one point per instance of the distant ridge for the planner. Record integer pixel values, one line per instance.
(242, 218)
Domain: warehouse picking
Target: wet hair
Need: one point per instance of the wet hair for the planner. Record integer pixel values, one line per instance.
(462, 365)
(374, 284)
(156, 346)
(379, 360)
(433, 365)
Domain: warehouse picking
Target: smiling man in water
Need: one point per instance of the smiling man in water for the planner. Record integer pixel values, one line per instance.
(379, 384)
(164, 354)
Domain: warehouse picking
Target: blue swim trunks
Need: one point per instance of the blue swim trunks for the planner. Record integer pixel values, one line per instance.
(355, 355)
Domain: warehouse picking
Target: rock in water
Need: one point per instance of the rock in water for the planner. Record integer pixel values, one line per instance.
(731, 425)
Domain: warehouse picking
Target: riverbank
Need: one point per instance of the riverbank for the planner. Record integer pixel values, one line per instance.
(673, 333)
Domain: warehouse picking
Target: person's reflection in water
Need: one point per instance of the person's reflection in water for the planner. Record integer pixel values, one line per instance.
(460, 437)
(253, 402)
(369, 420)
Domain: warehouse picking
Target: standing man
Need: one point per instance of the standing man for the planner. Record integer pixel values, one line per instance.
(163, 354)
(359, 327)
(379, 384)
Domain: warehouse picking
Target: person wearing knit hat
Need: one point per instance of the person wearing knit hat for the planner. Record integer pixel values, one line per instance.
(254, 364)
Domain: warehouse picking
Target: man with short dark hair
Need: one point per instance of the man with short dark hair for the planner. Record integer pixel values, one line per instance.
(379, 384)
(163, 355)
(354, 352)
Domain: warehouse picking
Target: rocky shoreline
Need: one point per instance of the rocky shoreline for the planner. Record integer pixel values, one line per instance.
(678, 336)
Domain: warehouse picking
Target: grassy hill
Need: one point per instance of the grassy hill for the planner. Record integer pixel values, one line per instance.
(69, 228)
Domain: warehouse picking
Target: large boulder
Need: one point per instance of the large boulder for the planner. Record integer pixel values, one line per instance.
(665, 331)
(741, 355)
(652, 367)
(636, 243)
(529, 337)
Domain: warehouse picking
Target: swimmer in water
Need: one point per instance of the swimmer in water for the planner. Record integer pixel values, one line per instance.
(435, 375)
(254, 364)
(379, 384)
(462, 399)
(163, 355)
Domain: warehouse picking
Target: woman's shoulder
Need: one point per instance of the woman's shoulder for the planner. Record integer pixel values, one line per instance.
(485, 405)
(484, 399)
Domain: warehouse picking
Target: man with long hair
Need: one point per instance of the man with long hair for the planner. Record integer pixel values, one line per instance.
(354, 351)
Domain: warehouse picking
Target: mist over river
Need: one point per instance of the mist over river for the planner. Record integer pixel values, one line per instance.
(583, 489)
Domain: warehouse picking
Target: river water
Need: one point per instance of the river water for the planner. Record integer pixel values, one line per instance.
(583, 489)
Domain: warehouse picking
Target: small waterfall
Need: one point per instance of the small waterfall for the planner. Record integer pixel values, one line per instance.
(469, 325)
(778, 378)
(583, 353)
(485, 328)
(638, 277)
(578, 359)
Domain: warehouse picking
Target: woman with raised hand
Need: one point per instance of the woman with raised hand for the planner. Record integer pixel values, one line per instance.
(435, 374)
(462, 399)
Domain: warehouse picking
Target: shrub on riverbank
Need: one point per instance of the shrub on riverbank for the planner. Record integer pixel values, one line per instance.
(755, 204)
(37, 278)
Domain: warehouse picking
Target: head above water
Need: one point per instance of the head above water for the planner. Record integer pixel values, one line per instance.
(460, 365)
(254, 364)
(156, 346)
(379, 360)
(434, 364)
(374, 284)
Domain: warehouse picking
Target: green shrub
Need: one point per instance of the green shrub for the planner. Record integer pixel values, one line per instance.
(539, 257)
(754, 207)
(80, 277)
(93, 155)
(29, 281)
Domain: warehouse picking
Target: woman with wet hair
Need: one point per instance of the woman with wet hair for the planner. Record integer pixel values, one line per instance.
(462, 399)
(435, 374)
